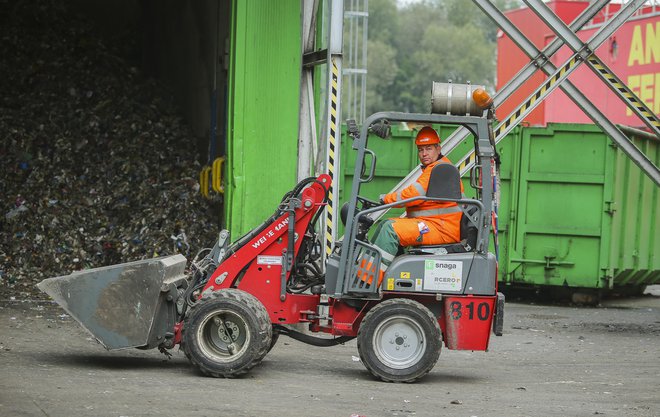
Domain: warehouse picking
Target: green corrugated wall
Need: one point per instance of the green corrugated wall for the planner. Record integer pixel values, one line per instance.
(634, 247)
(263, 97)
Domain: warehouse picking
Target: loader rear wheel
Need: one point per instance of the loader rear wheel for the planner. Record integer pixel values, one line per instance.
(399, 340)
(226, 333)
(274, 339)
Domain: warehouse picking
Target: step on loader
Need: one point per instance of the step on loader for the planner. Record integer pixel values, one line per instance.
(229, 308)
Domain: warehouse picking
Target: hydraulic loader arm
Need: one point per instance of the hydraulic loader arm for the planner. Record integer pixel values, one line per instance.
(267, 258)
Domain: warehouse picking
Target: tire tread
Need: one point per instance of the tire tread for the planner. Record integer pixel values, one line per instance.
(399, 302)
(250, 302)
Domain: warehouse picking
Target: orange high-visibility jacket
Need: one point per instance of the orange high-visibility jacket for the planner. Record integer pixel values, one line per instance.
(427, 222)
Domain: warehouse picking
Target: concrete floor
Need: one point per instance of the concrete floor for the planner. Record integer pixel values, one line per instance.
(553, 360)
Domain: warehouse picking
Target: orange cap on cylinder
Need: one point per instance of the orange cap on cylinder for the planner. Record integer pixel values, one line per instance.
(482, 98)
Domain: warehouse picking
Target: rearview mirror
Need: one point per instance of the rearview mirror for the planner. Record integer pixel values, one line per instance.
(381, 128)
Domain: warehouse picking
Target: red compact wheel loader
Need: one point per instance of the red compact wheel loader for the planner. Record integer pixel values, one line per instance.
(229, 309)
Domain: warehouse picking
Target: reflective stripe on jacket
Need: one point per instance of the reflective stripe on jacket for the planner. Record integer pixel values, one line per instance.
(440, 221)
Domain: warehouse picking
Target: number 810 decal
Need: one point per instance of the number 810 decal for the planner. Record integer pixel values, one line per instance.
(458, 309)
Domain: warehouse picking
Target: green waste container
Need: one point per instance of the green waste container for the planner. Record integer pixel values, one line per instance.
(580, 213)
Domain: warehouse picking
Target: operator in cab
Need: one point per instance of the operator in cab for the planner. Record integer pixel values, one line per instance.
(426, 222)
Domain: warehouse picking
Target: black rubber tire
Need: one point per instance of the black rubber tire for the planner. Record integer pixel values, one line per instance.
(223, 321)
(274, 339)
(399, 340)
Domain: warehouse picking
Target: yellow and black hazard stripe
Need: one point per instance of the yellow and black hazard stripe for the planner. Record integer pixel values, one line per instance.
(467, 163)
(522, 110)
(643, 111)
(332, 143)
(540, 94)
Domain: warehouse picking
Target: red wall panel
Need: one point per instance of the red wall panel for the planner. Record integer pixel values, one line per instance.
(510, 59)
(632, 53)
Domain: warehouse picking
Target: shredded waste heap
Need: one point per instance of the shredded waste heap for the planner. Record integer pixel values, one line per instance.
(97, 166)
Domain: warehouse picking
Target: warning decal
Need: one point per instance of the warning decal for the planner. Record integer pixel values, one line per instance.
(443, 275)
(269, 260)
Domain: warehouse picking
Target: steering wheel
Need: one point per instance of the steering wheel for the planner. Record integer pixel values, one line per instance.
(366, 203)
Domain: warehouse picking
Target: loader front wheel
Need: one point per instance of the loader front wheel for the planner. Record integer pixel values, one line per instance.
(226, 333)
(399, 340)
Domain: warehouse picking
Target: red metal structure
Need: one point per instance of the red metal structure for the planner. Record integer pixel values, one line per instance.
(257, 258)
(633, 54)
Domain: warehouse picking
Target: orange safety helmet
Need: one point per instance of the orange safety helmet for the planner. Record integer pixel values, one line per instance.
(427, 136)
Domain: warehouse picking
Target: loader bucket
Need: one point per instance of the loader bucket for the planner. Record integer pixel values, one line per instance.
(122, 305)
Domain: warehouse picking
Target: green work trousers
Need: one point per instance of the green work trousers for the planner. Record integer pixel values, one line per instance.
(387, 242)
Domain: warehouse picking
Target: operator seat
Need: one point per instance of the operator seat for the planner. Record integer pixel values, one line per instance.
(445, 182)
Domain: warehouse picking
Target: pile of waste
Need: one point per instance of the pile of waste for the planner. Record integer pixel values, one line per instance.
(97, 166)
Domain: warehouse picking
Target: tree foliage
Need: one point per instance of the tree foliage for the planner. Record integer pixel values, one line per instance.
(413, 44)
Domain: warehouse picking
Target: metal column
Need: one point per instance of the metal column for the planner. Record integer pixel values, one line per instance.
(333, 122)
(309, 156)
(355, 60)
(307, 141)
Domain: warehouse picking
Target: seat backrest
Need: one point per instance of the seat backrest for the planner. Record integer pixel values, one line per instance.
(445, 182)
